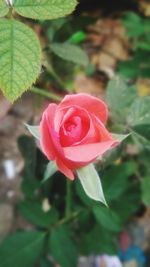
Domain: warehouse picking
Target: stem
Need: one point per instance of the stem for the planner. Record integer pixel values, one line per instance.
(68, 198)
(10, 13)
(43, 93)
(70, 217)
(54, 75)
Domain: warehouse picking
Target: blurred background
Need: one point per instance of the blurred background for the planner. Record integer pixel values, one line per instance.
(102, 49)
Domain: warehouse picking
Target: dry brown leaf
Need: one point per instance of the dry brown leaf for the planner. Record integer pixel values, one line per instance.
(84, 84)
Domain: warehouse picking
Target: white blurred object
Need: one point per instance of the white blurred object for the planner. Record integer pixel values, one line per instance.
(9, 2)
(45, 205)
(86, 261)
(108, 261)
(9, 169)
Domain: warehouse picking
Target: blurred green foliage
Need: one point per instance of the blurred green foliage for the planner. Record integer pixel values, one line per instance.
(90, 227)
(138, 31)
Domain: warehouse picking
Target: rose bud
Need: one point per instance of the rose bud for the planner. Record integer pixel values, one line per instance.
(73, 133)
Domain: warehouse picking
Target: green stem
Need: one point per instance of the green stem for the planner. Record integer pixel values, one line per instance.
(72, 216)
(68, 198)
(54, 75)
(44, 93)
(10, 13)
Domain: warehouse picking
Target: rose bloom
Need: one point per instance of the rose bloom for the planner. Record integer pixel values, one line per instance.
(73, 133)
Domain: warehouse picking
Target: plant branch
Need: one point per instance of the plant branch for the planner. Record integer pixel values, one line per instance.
(50, 69)
(72, 216)
(44, 93)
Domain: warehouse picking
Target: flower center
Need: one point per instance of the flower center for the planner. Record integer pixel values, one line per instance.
(74, 129)
(70, 128)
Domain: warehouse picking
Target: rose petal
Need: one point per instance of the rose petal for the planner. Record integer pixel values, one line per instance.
(89, 103)
(64, 169)
(89, 152)
(92, 135)
(74, 126)
(45, 141)
(49, 137)
(104, 134)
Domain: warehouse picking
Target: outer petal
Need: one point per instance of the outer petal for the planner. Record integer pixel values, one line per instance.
(88, 153)
(46, 141)
(64, 169)
(104, 134)
(89, 103)
(49, 137)
(50, 142)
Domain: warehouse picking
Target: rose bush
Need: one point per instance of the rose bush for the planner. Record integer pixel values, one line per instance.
(73, 133)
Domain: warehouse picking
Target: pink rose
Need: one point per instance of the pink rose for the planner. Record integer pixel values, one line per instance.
(73, 132)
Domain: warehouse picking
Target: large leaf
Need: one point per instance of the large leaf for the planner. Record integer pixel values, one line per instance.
(119, 97)
(44, 9)
(62, 247)
(129, 202)
(91, 183)
(33, 211)
(20, 58)
(3, 8)
(116, 179)
(70, 52)
(139, 113)
(21, 249)
(97, 241)
(107, 218)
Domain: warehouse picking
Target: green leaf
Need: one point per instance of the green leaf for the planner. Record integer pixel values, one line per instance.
(139, 113)
(3, 8)
(21, 249)
(77, 37)
(91, 244)
(107, 218)
(146, 190)
(134, 24)
(27, 148)
(120, 174)
(70, 52)
(29, 183)
(51, 168)
(46, 263)
(119, 97)
(32, 210)
(34, 130)
(62, 247)
(120, 137)
(129, 68)
(142, 130)
(91, 183)
(129, 202)
(136, 66)
(44, 9)
(20, 58)
(82, 195)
